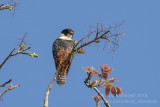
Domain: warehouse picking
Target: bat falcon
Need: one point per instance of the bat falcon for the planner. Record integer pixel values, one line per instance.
(61, 48)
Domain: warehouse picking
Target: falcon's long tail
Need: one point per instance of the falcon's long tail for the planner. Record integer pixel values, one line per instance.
(61, 80)
(61, 68)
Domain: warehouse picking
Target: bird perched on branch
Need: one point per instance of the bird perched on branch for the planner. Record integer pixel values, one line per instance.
(62, 47)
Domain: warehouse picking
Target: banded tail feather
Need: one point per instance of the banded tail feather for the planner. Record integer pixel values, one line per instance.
(61, 80)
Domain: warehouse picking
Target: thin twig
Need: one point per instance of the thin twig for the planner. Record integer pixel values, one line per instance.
(20, 52)
(7, 58)
(1, 5)
(94, 40)
(22, 41)
(97, 104)
(13, 54)
(7, 6)
(113, 42)
(97, 31)
(84, 38)
(9, 88)
(116, 35)
(3, 85)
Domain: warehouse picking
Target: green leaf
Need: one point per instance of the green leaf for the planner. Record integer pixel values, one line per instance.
(74, 44)
(11, 8)
(11, 85)
(74, 53)
(33, 55)
(30, 54)
(22, 47)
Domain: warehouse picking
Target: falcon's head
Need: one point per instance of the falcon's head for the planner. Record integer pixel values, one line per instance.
(67, 34)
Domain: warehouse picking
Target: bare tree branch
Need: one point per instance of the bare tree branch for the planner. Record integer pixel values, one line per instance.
(3, 85)
(48, 90)
(1, 5)
(9, 88)
(7, 58)
(22, 41)
(13, 54)
(11, 5)
(21, 50)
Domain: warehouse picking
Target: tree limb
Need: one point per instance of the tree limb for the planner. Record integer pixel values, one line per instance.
(13, 54)
(49, 89)
(21, 50)
(7, 58)
(3, 85)
(104, 100)
(9, 88)
(2, 7)
(7, 6)
(98, 92)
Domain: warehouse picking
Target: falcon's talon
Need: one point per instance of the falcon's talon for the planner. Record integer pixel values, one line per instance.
(61, 64)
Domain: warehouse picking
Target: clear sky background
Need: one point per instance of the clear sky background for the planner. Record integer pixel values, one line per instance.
(135, 63)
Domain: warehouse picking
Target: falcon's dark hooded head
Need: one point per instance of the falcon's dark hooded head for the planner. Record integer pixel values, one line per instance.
(67, 34)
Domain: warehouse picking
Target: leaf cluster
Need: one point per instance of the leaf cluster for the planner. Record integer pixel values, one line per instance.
(103, 80)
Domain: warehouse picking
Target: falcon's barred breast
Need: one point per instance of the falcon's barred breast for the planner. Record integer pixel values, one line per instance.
(61, 49)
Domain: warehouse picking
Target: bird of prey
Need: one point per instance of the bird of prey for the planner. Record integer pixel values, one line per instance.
(61, 48)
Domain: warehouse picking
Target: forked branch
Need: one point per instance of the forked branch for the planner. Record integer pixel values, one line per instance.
(7, 58)
(7, 6)
(9, 88)
(3, 85)
(98, 92)
(22, 50)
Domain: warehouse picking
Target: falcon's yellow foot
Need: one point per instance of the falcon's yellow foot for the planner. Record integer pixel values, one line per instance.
(61, 64)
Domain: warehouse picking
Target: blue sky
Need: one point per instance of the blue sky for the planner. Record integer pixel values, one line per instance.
(135, 63)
